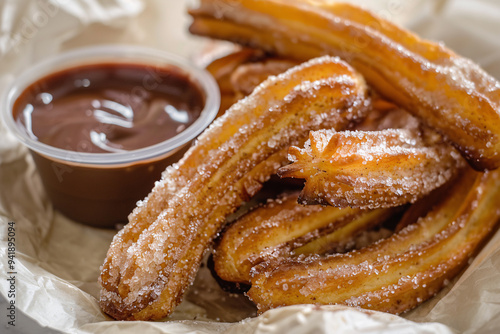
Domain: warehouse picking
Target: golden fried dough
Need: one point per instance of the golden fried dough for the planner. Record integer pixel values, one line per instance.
(447, 92)
(397, 273)
(279, 227)
(154, 258)
(371, 169)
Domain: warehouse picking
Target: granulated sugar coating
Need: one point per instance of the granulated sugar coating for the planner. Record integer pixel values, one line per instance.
(447, 92)
(153, 260)
(371, 169)
(283, 228)
(398, 273)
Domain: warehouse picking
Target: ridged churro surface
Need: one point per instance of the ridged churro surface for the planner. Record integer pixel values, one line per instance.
(154, 258)
(282, 225)
(397, 273)
(371, 169)
(447, 92)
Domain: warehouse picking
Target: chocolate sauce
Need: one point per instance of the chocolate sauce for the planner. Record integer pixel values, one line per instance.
(100, 196)
(108, 107)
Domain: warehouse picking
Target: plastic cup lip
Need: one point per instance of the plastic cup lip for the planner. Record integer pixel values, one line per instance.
(116, 53)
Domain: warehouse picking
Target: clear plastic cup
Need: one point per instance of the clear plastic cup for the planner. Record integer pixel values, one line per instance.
(101, 189)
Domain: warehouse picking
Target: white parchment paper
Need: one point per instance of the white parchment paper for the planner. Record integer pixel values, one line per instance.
(57, 260)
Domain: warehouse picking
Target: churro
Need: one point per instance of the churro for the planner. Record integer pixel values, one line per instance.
(445, 91)
(371, 169)
(282, 225)
(397, 273)
(154, 258)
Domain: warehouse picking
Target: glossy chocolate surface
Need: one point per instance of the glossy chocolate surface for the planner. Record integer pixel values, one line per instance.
(106, 108)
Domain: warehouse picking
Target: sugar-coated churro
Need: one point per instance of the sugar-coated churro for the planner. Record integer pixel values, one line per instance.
(282, 225)
(397, 273)
(371, 169)
(447, 92)
(154, 258)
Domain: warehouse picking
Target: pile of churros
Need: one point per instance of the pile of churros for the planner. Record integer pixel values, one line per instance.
(397, 140)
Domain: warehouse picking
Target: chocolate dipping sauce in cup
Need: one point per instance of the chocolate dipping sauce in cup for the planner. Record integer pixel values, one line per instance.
(102, 123)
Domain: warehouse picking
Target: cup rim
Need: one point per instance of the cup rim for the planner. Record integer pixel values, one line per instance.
(121, 53)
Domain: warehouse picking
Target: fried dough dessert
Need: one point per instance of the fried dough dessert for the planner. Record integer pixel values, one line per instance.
(398, 273)
(371, 169)
(386, 115)
(238, 73)
(282, 225)
(246, 77)
(445, 91)
(223, 68)
(154, 258)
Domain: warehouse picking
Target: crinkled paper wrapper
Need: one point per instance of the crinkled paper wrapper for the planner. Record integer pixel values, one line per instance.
(57, 260)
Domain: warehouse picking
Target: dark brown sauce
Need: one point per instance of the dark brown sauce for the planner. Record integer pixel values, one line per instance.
(109, 107)
(106, 108)
(100, 196)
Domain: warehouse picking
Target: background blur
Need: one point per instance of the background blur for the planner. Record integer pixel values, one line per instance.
(33, 29)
